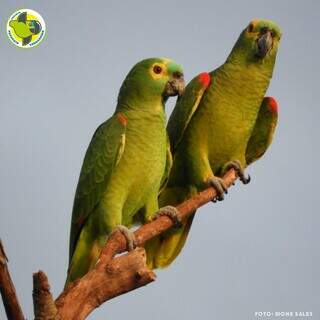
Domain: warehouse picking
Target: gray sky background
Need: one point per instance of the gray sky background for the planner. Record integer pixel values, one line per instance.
(256, 251)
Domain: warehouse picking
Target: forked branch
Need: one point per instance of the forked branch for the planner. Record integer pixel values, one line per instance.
(113, 275)
(89, 294)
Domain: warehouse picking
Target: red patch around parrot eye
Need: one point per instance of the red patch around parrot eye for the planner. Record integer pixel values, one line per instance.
(122, 119)
(273, 104)
(204, 78)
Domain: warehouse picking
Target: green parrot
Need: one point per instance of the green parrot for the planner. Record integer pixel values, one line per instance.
(24, 28)
(221, 121)
(125, 165)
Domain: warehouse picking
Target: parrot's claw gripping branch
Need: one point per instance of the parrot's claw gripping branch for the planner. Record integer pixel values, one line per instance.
(129, 235)
(236, 165)
(111, 248)
(113, 275)
(218, 184)
(172, 213)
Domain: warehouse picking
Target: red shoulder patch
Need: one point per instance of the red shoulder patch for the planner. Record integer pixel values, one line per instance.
(204, 78)
(79, 222)
(122, 119)
(273, 104)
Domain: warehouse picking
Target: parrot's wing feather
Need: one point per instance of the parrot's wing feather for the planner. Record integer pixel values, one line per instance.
(103, 155)
(168, 166)
(185, 107)
(263, 130)
(22, 17)
(161, 251)
(26, 40)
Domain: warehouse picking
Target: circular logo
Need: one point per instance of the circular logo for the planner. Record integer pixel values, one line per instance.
(26, 28)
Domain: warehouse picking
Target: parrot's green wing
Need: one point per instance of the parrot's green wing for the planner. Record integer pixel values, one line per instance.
(102, 156)
(161, 251)
(185, 107)
(168, 166)
(263, 130)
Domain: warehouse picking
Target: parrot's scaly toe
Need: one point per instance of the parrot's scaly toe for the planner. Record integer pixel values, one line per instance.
(218, 184)
(129, 235)
(236, 165)
(172, 213)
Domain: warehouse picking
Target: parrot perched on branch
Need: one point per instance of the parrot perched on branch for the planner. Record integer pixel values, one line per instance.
(126, 163)
(221, 121)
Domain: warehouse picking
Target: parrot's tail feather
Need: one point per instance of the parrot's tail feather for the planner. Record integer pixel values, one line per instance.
(162, 250)
(85, 256)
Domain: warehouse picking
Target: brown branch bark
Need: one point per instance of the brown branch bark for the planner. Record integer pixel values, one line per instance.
(163, 223)
(7, 289)
(120, 275)
(44, 306)
(113, 275)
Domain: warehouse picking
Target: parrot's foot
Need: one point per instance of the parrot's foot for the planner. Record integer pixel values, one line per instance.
(236, 165)
(172, 213)
(218, 184)
(128, 234)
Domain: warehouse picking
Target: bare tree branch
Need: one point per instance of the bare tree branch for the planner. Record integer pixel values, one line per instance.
(7, 289)
(163, 223)
(113, 275)
(122, 274)
(98, 285)
(44, 306)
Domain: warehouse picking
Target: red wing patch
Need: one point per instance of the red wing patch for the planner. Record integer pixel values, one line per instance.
(204, 78)
(79, 222)
(122, 119)
(273, 104)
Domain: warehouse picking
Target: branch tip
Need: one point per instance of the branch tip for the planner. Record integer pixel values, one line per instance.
(3, 257)
(7, 289)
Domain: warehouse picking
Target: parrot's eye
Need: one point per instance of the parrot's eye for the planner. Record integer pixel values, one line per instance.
(273, 34)
(250, 27)
(157, 69)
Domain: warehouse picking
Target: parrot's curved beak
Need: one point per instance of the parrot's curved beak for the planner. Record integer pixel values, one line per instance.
(264, 43)
(175, 86)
